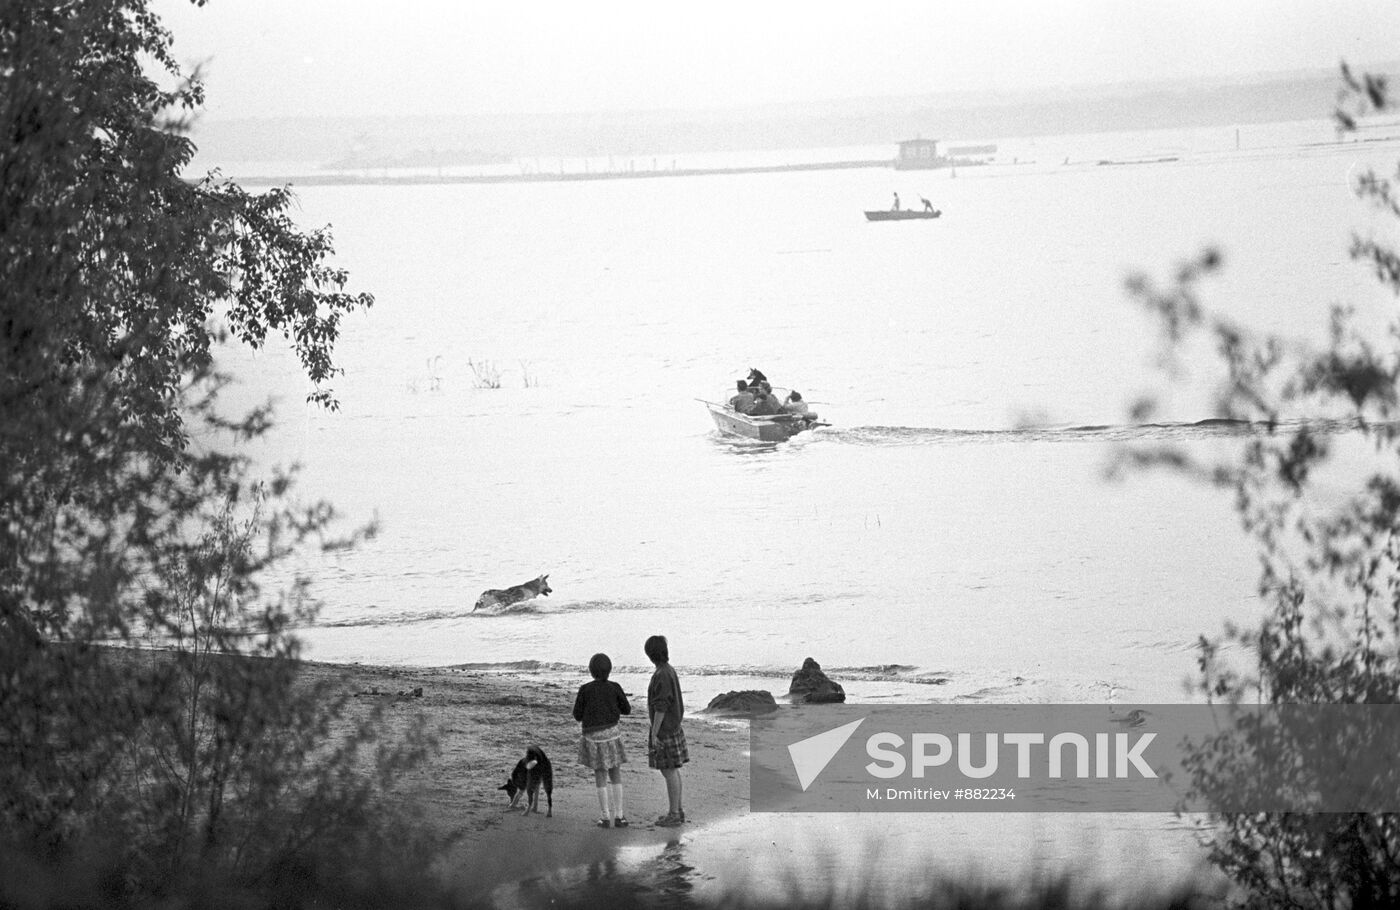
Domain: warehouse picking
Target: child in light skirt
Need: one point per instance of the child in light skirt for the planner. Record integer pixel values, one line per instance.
(598, 707)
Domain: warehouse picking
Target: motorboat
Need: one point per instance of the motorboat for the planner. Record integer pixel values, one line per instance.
(767, 428)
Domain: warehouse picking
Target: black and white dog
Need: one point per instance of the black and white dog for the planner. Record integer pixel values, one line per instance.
(530, 773)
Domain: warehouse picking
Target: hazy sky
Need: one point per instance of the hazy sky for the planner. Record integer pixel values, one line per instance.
(343, 57)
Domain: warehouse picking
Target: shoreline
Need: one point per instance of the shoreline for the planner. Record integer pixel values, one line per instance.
(484, 721)
(368, 179)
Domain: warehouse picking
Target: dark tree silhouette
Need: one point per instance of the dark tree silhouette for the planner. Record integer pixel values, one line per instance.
(126, 513)
(1330, 571)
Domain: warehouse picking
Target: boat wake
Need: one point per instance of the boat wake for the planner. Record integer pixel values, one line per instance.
(1201, 429)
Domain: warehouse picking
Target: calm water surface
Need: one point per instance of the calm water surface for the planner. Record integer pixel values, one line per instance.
(950, 536)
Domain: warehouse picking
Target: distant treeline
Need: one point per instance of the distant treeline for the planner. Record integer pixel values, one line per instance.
(965, 117)
(418, 158)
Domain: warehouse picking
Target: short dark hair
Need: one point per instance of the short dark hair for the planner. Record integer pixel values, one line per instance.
(599, 666)
(656, 649)
(742, 385)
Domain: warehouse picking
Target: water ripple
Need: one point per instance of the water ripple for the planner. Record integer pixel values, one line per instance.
(1200, 429)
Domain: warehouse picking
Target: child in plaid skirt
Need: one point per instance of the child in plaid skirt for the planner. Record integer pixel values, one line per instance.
(666, 749)
(598, 707)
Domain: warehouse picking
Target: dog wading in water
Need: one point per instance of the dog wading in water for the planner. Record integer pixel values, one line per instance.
(514, 594)
(598, 706)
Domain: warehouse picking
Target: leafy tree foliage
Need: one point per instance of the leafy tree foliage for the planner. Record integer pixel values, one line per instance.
(123, 516)
(1330, 569)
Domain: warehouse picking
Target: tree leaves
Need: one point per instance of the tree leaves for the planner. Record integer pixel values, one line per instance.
(116, 276)
(1330, 571)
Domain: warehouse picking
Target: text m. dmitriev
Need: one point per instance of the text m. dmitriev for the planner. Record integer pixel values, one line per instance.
(1107, 754)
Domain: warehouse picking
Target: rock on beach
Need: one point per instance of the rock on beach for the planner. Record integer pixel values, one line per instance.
(811, 686)
(746, 701)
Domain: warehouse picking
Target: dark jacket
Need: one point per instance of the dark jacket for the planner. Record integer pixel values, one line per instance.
(766, 404)
(599, 704)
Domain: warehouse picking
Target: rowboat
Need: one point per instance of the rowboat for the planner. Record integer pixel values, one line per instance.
(901, 214)
(774, 428)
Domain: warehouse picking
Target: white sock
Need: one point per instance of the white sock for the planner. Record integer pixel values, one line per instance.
(618, 810)
(603, 801)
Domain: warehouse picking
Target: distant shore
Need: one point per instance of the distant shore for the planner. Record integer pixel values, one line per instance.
(485, 720)
(367, 179)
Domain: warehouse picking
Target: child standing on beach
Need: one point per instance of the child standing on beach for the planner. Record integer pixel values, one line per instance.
(666, 750)
(598, 707)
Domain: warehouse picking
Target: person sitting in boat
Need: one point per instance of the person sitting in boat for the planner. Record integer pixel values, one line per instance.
(742, 402)
(928, 206)
(766, 403)
(795, 405)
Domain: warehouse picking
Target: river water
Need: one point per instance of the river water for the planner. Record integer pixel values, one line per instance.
(951, 535)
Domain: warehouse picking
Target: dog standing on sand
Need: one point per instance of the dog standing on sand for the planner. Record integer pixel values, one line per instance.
(514, 594)
(530, 773)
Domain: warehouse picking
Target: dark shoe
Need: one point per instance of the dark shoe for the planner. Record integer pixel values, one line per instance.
(671, 821)
(604, 823)
(619, 823)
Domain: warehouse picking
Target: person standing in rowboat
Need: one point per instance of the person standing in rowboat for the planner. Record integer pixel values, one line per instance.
(928, 206)
(895, 207)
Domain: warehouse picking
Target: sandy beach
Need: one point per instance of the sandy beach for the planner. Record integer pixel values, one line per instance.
(484, 721)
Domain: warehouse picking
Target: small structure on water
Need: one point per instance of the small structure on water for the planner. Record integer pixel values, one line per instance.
(920, 154)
